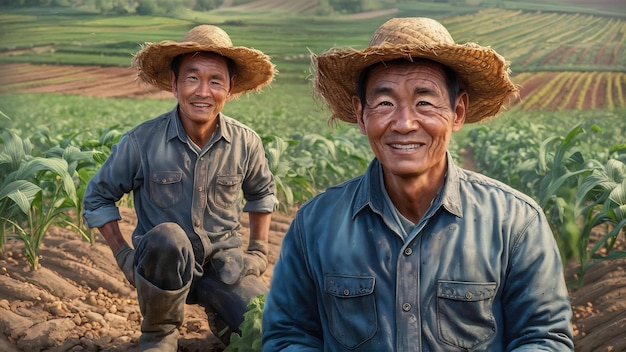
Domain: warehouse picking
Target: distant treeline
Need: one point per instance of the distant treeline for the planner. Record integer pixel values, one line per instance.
(164, 7)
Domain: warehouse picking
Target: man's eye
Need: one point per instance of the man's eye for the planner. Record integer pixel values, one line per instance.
(423, 103)
(385, 103)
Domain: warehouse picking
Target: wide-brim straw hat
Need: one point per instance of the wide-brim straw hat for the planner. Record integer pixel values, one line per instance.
(254, 68)
(484, 74)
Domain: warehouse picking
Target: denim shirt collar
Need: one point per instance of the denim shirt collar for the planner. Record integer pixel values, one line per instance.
(369, 193)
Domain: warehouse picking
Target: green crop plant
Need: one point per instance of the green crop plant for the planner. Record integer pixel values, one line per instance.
(250, 338)
(559, 165)
(306, 165)
(601, 200)
(36, 192)
(508, 153)
(284, 176)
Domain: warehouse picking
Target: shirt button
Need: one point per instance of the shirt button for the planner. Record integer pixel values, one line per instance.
(468, 295)
(346, 292)
(406, 307)
(197, 223)
(408, 251)
(200, 189)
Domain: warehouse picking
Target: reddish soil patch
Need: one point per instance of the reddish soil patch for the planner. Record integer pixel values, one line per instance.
(106, 82)
(80, 301)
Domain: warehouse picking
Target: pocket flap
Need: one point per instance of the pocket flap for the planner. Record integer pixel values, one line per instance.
(466, 291)
(349, 286)
(229, 180)
(165, 177)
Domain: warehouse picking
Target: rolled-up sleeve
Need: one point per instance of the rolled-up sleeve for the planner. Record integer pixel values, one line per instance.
(114, 179)
(259, 186)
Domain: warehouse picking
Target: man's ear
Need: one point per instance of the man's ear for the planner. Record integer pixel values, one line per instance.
(173, 83)
(460, 111)
(358, 111)
(232, 85)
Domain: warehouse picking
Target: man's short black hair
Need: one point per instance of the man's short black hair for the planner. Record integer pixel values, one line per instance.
(176, 61)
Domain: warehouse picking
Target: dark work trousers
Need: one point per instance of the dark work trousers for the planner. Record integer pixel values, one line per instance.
(165, 257)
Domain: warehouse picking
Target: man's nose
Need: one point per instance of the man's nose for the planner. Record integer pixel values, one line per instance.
(406, 119)
(204, 89)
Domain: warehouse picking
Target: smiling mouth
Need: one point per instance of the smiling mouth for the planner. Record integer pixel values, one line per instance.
(201, 105)
(405, 146)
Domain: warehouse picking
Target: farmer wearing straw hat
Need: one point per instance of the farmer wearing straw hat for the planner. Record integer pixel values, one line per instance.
(186, 169)
(417, 254)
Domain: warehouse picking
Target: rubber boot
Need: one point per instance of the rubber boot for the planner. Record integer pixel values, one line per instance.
(163, 312)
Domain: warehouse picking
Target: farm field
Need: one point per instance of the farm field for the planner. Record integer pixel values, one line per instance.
(566, 56)
(561, 61)
(539, 91)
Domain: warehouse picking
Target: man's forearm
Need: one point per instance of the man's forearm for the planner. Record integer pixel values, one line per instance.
(260, 226)
(113, 235)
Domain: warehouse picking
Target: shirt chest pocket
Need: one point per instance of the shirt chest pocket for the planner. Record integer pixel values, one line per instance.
(166, 188)
(351, 308)
(465, 312)
(227, 190)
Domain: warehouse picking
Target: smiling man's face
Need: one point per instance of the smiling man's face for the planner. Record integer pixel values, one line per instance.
(407, 117)
(202, 87)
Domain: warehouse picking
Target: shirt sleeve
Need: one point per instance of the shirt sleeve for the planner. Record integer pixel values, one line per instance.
(290, 317)
(537, 309)
(114, 179)
(259, 188)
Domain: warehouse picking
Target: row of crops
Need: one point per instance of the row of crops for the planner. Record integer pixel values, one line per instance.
(577, 175)
(561, 91)
(546, 41)
(561, 61)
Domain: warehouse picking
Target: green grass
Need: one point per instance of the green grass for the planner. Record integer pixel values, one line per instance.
(281, 109)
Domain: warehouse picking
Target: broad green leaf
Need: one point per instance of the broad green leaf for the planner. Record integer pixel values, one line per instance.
(21, 192)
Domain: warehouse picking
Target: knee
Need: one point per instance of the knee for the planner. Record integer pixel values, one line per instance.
(165, 242)
(164, 256)
(164, 236)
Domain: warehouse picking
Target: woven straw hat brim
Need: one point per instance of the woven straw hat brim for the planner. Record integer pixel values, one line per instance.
(254, 68)
(482, 71)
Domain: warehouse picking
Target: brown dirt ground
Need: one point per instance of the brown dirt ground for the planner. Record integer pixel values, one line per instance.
(79, 300)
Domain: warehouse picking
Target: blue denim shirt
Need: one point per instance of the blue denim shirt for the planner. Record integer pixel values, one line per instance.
(173, 181)
(481, 271)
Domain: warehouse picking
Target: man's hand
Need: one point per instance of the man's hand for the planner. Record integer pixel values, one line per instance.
(255, 258)
(125, 257)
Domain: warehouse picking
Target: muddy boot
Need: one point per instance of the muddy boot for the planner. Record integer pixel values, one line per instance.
(163, 313)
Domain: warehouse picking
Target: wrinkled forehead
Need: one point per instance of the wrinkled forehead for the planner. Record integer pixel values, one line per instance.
(393, 72)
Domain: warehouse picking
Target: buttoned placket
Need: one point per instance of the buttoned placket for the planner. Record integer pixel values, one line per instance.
(200, 194)
(408, 316)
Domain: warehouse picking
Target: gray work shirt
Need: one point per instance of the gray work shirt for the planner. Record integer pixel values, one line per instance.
(172, 180)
